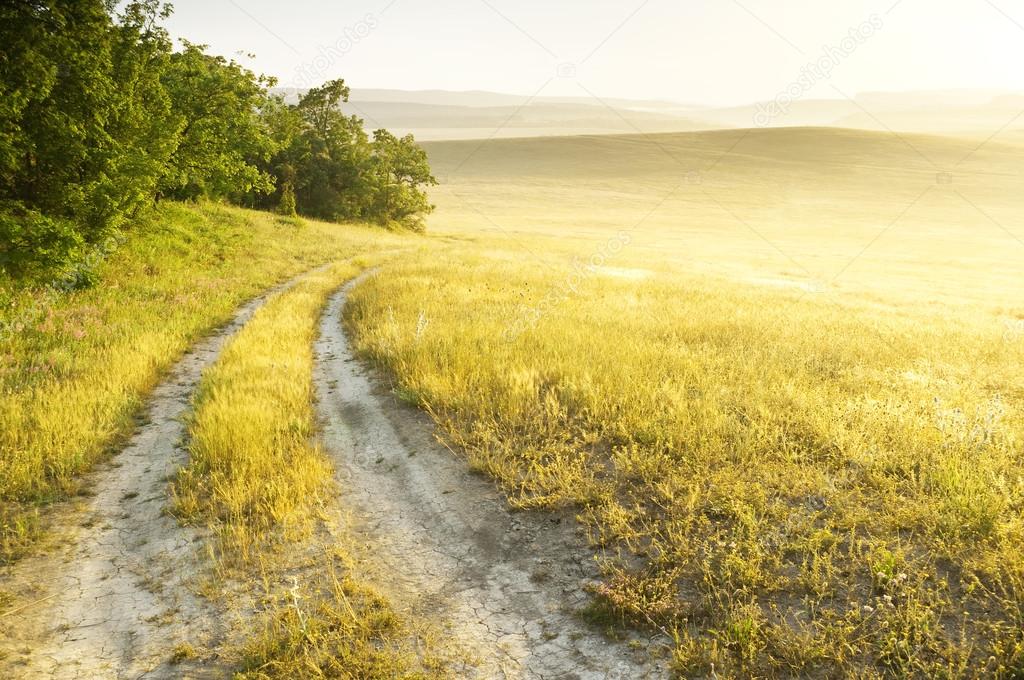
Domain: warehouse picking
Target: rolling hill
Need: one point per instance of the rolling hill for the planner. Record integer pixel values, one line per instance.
(836, 208)
(441, 115)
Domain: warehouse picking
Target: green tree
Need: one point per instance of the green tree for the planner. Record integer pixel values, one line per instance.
(27, 75)
(330, 155)
(283, 125)
(398, 171)
(287, 204)
(85, 127)
(223, 139)
(143, 125)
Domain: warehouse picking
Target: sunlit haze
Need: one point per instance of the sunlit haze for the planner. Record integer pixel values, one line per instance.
(702, 52)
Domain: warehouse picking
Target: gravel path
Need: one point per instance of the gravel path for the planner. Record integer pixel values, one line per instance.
(507, 583)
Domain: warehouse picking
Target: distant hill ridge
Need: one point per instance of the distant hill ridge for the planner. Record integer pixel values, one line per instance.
(440, 114)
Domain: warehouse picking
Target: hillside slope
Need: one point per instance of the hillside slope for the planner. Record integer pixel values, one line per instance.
(76, 367)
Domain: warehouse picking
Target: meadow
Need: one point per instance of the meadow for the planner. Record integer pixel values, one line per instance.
(776, 374)
(898, 218)
(78, 364)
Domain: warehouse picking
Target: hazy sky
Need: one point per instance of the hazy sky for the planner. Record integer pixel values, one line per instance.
(699, 51)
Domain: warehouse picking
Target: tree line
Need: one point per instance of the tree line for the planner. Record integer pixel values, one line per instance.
(100, 116)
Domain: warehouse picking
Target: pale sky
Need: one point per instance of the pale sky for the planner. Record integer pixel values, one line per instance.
(691, 51)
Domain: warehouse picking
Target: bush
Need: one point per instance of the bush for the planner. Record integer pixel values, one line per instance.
(34, 246)
(287, 205)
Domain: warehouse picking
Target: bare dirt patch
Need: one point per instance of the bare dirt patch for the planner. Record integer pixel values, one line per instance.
(506, 586)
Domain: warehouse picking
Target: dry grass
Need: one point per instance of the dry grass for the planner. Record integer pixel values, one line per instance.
(259, 483)
(806, 487)
(75, 368)
(253, 470)
(331, 626)
(793, 479)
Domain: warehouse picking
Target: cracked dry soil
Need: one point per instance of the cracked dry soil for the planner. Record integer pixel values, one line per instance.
(114, 593)
(504, 585)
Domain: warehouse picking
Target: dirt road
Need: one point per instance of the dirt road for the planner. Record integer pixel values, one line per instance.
(113, 595)
(114, 592)
(508, 585)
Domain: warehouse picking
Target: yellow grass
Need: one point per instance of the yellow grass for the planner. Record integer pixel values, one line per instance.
(257, 480)
(252, 466)
(795, 472)
(75, 368)
(333, 627)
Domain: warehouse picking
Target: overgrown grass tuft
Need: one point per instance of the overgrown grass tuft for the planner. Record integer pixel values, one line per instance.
(331, 626)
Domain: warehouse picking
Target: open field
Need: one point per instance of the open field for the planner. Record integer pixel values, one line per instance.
(909, 218)
(774, 375)
(786, 399)
(652, 340)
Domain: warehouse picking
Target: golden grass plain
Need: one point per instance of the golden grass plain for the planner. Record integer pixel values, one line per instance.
(776, 373)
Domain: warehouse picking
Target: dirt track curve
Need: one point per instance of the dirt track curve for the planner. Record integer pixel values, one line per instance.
(507, 584)
(115, 593)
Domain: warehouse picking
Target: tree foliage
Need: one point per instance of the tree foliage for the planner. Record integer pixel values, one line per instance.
(397, 174)
(223, 138)
(100, 116)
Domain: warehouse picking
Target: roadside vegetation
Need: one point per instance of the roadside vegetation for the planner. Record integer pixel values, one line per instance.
(787, 486)
(258, 481)
(252, 467)
(100, 116)
(77, 365)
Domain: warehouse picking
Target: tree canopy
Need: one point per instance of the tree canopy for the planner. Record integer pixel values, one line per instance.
(100, 116)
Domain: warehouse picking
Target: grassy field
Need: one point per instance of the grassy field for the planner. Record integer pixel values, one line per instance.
(76, 367)
(910, 218)
(777, 374)
(783, 393)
